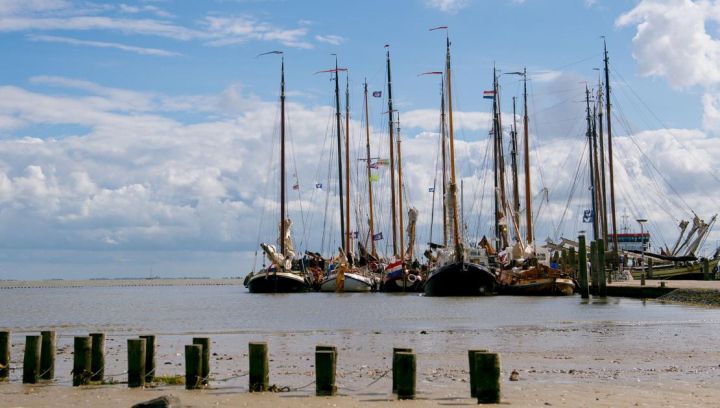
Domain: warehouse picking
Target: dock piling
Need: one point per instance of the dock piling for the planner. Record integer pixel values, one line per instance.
(602, 278)
(81, 360)
(706, 269)
(487, 369)
(594, 279)
(97, 356)
(31, 360)
(193, 366)
(325, 372)
(5, 347)
(205, 360)
(394, 364)
(405, 374)
(149, 357)
(259, 367)
(582, 268)
(47, 355)
(136, 363)
(471, 364)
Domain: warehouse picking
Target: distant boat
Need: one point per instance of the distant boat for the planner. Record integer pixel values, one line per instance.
(452, 271)
(538, 280)
(342, 278)
(282, 275)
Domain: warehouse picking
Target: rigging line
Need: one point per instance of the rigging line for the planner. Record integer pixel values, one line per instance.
(592, 57)
(572, 190)
(536, 139)
(297, 178)
(645, 156)
(710, 170)
(263, 211)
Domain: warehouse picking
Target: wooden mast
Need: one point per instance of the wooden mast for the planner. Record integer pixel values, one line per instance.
(400, 204)
(282, 160)
(496, 178)
(610, 151)
(528, 197)
(516, 187)
(499, 167)
(596, 169)
(393, 203)
(592, 167)
(603, 185)
(453, 183)
(369, 175)
(339, 153)
(348, 246)
(443, 135)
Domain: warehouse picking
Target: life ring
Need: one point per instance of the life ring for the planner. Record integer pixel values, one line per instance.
(412, 278)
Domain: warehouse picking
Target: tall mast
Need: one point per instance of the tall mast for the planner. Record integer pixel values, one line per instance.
(610, 150)
(516, 187)
(500, 167)
(369, 175)
(592, 168)
(443, 135)
(347, 164)
(453, 183)
(496, 178)
(282, 156)
(603, 185)
(400, 192)
(393, 204)
(528, 197)
(339, 153)
(596, 169)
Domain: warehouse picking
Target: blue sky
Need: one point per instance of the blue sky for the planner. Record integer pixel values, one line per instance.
(133, 134)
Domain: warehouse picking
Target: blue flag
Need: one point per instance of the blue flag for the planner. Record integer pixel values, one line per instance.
(588, 216)
(378, 236)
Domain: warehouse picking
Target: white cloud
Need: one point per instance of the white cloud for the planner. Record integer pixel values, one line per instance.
(102, 44)
(330, 39)
(448, 6)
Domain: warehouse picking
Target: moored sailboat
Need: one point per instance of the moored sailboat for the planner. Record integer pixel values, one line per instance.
(283, 275)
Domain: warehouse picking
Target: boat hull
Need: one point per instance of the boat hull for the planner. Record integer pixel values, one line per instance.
(353, 283)
(689, 272)
(460, 279)
(280, 282)
(396, 284)
(541, 287)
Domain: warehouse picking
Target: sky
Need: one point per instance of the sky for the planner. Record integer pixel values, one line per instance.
(140, 138)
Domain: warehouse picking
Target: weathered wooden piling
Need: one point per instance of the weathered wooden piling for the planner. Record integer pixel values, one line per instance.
(487, 368)
(642, 278)
(582, 268)
(649, 268)
(97, 357)
(205, 360)
(81, 360)
(325, 372)
(706, 269)
(602, 278)
(31, 360)
(193, 366)
(136, 363)
(150, 363)
(394, 364)
(405, 375)
(47, 355)
(259, 367)
(5, 348)
(594, 281)
(471, 366)
(326, 347)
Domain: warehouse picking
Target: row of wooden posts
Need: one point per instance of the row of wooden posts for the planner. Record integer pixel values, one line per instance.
(89, 365)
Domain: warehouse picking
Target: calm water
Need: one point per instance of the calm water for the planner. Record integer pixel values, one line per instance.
(230, 309)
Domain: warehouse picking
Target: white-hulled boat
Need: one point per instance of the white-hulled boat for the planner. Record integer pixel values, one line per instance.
(342, 279)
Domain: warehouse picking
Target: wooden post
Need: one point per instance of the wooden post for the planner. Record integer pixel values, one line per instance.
(193, 366)
(149, 357)
(582, 263)
(572, 261)
(405, 375)
(564, 260)
(706, 269)
(325, 373)
(31, 360)
(326, 347)
(81, 360)
(97, 357)
(649, 268)
(594, 284)
(47, 355)
(205, 372)
(259, 370)
(473, 376)
(642, 278)
(136, 363)
(5, 347)
(487, 369)
(394, 364)
(602, 279)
